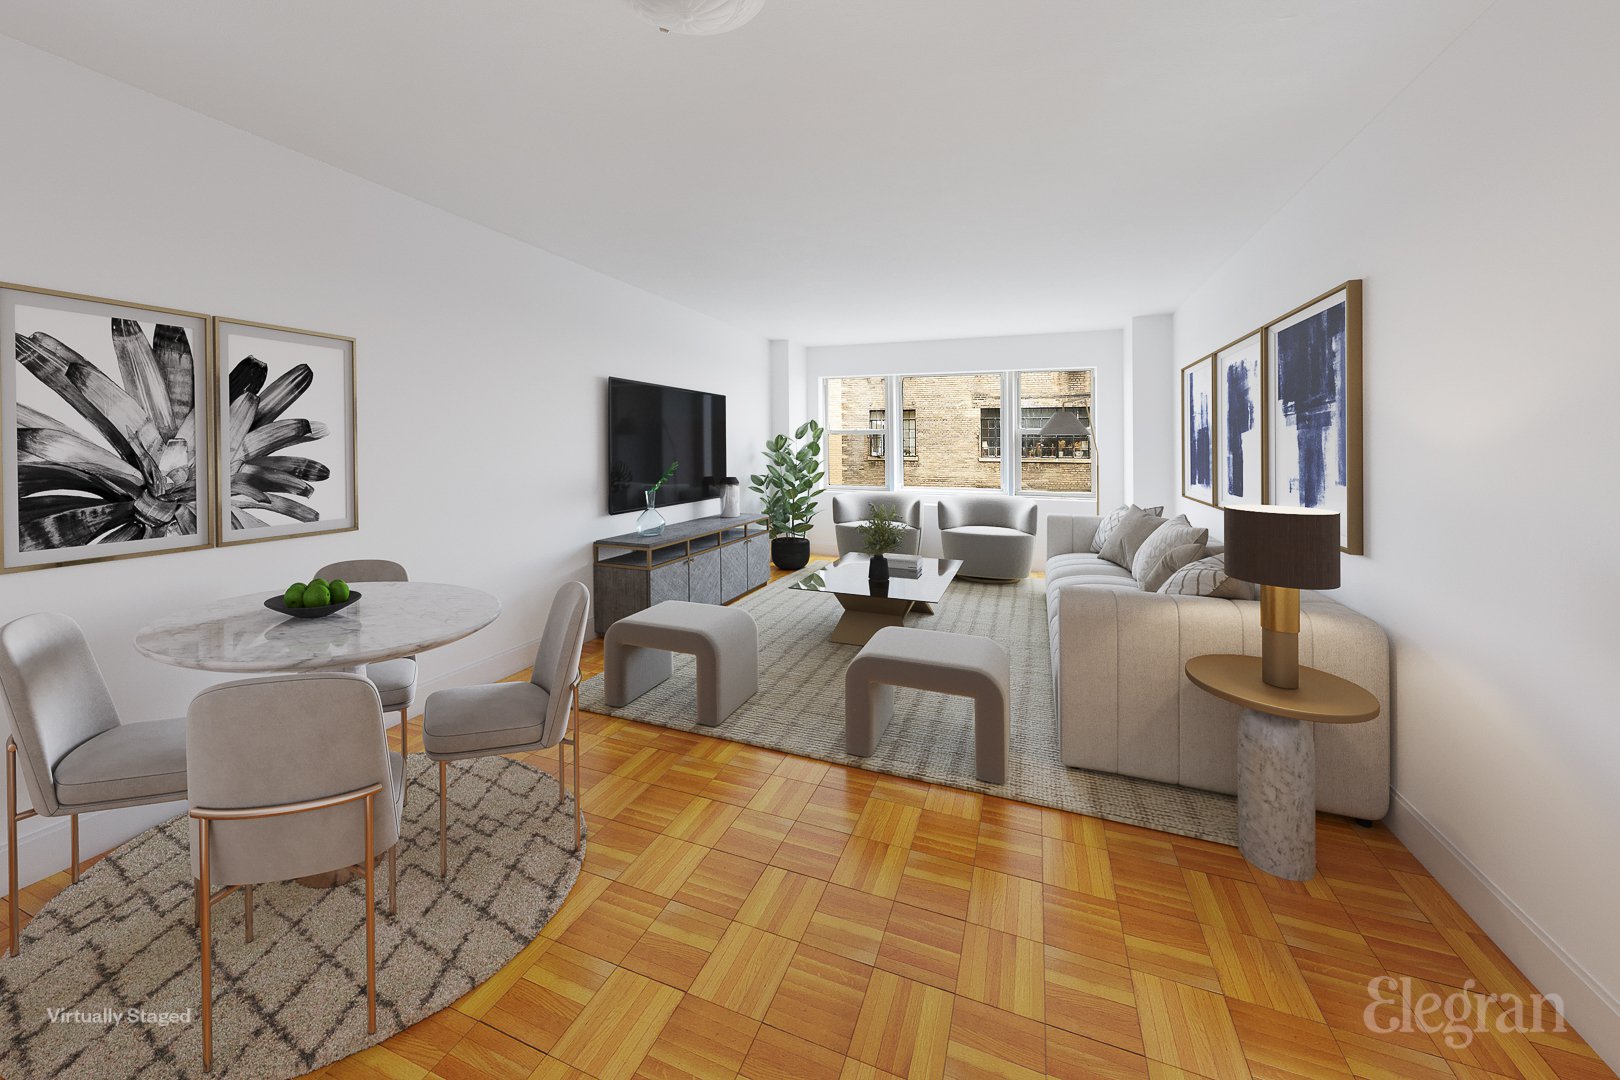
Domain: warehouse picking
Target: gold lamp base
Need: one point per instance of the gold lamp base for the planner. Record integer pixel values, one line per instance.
(1279, 636)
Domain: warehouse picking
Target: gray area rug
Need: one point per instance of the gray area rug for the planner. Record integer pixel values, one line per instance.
(294, 999)
(800, 709)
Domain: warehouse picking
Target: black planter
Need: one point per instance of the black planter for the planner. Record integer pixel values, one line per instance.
(877, 571)
(790, 552)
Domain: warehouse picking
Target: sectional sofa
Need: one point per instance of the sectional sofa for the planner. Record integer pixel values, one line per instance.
(1125, 706)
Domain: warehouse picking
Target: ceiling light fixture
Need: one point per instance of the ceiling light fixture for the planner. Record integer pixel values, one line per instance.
(698, 17)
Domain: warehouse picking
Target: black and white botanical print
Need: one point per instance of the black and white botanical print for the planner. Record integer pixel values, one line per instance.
(107, 430)
(266, 481)
(286, 447)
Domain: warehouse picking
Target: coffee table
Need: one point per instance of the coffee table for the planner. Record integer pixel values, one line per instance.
(915, 584)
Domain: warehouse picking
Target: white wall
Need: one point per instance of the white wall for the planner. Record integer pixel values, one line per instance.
(1480, 209)
(788, 409)
(1100, 349)
(1150, 457)
(482, 366)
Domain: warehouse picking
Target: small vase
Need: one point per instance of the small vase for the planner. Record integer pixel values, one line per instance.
(877, 570)
(651, 522)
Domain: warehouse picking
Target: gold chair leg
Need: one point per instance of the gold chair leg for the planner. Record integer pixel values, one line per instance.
(404, 731)
(13, 914)
(562, 775)
(393, 879)
(247, 912)
(574, 724)
(196, 901)
(73, 832)
(206, 930)
(442, 784)
(371, 923)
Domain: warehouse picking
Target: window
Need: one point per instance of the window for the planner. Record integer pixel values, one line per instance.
(908, 433)
(954, 428)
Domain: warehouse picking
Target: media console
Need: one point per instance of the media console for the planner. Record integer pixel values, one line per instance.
(711, 560)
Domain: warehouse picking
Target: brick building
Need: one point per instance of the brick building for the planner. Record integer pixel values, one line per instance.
(951, 433)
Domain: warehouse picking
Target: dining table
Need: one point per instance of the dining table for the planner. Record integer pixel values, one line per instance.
(392, 619)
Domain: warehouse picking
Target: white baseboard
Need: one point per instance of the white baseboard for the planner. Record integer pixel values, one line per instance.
(1591, 1008)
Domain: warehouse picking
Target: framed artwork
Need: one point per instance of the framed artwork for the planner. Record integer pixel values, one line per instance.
(104, 429)
(1198, 431)
(1313, 357)
(285, 456)
(1240, 377)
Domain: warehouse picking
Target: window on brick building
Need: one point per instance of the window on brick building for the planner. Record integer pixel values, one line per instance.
(908, 433)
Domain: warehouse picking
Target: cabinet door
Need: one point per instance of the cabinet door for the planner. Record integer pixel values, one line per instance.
(703, 577)
(734, 570)
(668, 582)
(759, 560)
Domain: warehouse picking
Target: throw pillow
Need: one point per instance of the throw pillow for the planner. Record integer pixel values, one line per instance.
(1111, 522)
(1208, 577)
(1171, 546)
(1129, 535)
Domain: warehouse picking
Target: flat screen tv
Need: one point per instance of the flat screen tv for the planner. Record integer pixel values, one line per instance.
(650, 426)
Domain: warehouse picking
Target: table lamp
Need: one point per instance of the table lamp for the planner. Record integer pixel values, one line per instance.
(1283, 550)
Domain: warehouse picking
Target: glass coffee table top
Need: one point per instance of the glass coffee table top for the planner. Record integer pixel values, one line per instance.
(911, 577)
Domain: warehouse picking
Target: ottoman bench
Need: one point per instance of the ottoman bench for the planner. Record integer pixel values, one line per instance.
(960, 664)
(725, 640)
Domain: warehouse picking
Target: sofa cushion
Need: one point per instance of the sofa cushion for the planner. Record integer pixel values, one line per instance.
(1129, 535)
(1208, 577)
(1100, 570)
(1170, 547)
(1106, 528)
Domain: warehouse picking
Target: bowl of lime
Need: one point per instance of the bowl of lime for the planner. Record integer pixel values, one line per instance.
(315, 600)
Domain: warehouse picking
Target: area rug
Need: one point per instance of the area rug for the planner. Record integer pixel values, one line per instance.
(107, 983)
(800, 709)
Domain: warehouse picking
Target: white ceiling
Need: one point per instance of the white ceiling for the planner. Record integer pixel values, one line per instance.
(837, 170)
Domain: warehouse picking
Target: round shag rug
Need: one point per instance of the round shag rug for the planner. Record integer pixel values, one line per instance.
(108, 979)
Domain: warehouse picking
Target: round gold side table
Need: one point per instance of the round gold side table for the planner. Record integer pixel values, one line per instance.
(1277, 754)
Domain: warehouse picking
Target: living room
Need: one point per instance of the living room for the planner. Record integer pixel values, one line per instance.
(429, 295)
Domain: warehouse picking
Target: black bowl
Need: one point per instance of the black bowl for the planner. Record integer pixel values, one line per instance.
(278, 604)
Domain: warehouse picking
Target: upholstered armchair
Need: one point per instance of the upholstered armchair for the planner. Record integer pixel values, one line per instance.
(395, 680)
(77, 753)
(993, 535)
(291, 777)
(852, 509)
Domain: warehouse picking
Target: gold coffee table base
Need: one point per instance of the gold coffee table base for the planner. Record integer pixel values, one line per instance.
(866, 615)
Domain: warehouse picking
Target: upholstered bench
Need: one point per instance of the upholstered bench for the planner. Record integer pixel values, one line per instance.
(725, 641)
(960, 664)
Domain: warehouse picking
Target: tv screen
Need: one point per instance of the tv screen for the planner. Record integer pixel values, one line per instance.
(650, 426)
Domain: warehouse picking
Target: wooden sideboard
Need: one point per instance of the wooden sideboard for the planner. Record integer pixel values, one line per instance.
(711, 560)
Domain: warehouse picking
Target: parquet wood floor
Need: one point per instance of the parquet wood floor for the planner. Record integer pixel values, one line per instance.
(744, 913)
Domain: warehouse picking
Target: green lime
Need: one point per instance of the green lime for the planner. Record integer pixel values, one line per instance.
(317, 595)
(318, 581)
(294, 596)
(339, 590)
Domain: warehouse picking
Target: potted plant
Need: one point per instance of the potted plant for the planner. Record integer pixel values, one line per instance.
(881, 533)
(788, 489)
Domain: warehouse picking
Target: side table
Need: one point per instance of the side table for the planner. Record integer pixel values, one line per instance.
(1277, 754)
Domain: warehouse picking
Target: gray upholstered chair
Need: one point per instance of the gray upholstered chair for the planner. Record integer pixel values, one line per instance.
(77, 754)
(513, 717)
(993, 535)
(395, 680)
(852, 509)
(291, 777)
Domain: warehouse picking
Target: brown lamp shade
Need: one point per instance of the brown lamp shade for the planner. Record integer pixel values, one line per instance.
(1284, 546)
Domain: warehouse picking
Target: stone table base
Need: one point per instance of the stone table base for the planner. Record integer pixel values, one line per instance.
(1277, 794)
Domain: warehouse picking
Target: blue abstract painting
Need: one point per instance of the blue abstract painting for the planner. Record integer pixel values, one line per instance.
(1238, 376)
(1198, 431)
(1310, 370)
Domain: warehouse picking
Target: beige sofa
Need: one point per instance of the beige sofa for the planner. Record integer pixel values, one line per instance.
(1124, 704)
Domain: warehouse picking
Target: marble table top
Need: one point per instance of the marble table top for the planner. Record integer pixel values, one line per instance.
(391, 619)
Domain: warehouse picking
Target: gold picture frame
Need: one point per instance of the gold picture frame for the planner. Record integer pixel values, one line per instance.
(263, 494)
(102, 432)
(1198, 379)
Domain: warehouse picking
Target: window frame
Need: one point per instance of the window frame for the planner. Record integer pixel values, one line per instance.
(1012, 482)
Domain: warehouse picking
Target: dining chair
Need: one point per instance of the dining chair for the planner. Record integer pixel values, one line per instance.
(77, 753)
(512, 717)
(395, 680)
(279, 766)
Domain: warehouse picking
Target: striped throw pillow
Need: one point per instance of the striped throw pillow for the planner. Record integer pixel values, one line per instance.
(1111, 522)
(1208, 577)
